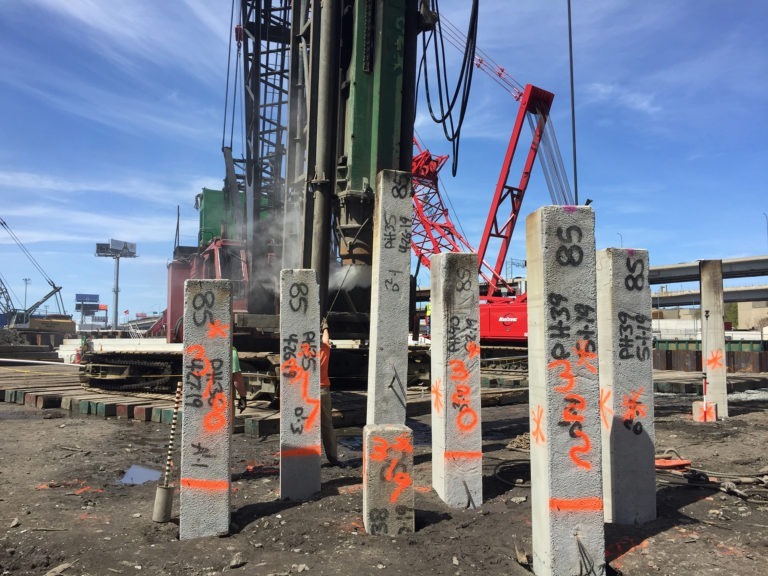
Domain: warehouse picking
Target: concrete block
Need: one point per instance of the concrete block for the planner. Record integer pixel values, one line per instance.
(388, 495)
(626, 385)
(713, 334)
(390, 292)
(157, 412)
(143, 412)
(566, 471)
(166, 417)
(299, 385)
(704, 412)
(206, 431)
(84, 406)
(107, 409)
(48, 400)
(259, 427)
(457, 445)
(126, 410)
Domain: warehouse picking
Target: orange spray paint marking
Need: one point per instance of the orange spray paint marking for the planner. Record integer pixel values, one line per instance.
(403, 444)
(214, 420)
(437, 395)
(462, 455)
(88, 489)
(459, 372)
(566, 375)
(473, 348)
(380, 448)
(583, 449)
(198, 353)
(606, 412)
(306, 351)
(402, 481)
(594, 504)
(302, 451)
(391, 470)
(467, 418)
(217, 330)
(635, 408)
(715, 360)
(379, 453)
(707, 413)
(538, 434)
(205, 485)
(585, 356)
(298, 375)
(576, 402)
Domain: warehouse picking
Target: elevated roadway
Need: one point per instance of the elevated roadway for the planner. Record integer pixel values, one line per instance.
(749, 267)
(693, 297)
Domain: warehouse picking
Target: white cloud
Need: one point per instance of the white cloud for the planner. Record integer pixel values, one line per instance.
(620, 96)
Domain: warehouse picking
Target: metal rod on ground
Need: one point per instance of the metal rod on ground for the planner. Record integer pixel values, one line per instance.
(164, 494)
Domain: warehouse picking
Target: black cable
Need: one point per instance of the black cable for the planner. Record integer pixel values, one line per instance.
(447, 102)
(229, 63)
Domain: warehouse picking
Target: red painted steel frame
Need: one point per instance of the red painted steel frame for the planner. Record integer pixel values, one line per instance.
(537, 102)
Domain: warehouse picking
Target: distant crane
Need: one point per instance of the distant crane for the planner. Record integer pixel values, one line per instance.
(16, 316)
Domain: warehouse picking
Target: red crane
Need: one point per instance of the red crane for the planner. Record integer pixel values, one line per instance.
(503, 308)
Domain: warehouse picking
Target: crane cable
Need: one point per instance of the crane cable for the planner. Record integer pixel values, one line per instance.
(484, 61)
(551, 158)
(451, 127)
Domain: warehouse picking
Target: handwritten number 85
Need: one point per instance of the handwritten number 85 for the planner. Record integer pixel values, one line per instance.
(569, 255)
(634, 280)
(298, 293)
(202, 302)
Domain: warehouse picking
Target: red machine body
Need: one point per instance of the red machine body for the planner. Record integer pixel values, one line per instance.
(221, 259)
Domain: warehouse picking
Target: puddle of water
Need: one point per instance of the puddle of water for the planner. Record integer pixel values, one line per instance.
(139, 475)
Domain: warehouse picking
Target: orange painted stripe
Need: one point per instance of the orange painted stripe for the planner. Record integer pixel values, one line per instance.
(467, 455)
(305, 451)
(208, 485)
(576, 504)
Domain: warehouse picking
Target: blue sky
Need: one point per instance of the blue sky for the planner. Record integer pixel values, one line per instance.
(112, 116)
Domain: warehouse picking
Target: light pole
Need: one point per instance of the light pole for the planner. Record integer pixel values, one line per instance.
(26, 283)
(621, 239)
(116, 249)
(766, 226)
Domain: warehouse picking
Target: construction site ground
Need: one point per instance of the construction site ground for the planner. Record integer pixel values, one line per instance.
(73, 499)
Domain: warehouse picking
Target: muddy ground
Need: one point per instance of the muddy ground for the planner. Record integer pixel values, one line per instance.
(65, 507)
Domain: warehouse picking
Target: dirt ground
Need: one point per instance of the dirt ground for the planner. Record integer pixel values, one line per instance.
(65, 507)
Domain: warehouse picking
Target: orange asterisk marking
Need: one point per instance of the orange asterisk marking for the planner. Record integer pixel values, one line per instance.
(585, 356)
(715, 360)
(473, 348)
(605, 411)
(217, 330)
(707, 413)
(537, 433)
(635, 408)
(438, 402)
(402, 444)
